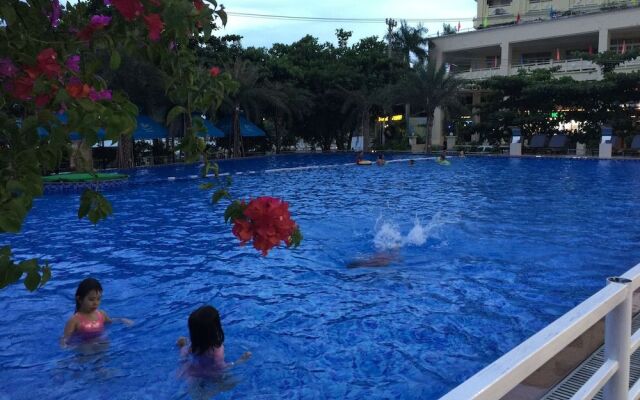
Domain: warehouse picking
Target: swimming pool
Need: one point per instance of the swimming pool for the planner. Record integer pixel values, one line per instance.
(490, 250)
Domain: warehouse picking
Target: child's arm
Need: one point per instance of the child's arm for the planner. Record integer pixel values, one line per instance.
(108, 320)
(69, 328)
(219, 356)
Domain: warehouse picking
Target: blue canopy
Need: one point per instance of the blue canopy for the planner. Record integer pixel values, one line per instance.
(62, 117)
(247, 128)
(148, 129)
(211, 129)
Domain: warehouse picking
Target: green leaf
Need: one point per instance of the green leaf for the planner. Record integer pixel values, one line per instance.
(115, 61)
(219, 195)
(10, 221)
(296, 238)
(32, 281)
(207, 186)
(175, 111)
(234, 210)
(8, 14)
(46, 275)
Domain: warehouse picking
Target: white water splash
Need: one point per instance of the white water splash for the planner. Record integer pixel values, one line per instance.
(389, 237)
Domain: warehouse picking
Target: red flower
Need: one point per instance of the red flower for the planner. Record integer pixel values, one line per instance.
(155, 25)
(267, 222)
(214, 71)
(48, 63)
(21, 88)
(198, 4)
(78, 89)
(130, 9)
(42, 100)
(242, 230)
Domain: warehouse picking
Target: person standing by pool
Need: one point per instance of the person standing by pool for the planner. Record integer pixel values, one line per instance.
(88, 321)
(207, 344)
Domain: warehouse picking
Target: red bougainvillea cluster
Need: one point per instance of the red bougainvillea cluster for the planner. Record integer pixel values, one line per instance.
(19, 81)
(266, 221)
(132, 9)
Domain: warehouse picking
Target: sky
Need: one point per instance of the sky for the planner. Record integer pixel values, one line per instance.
(262, 32)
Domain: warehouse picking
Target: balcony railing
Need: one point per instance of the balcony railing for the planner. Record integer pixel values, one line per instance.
(576, 68)
(614, 303)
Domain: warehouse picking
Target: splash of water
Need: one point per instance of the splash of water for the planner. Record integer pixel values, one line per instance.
(389, 237)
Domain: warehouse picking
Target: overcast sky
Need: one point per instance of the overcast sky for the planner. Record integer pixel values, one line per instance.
(264, 32)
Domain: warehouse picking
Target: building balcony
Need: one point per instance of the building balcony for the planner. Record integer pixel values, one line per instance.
(578, 69)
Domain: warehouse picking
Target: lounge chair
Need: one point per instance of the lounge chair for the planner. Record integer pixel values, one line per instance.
(635, 145)
(617, 145)
(559, 143)
(538, 142)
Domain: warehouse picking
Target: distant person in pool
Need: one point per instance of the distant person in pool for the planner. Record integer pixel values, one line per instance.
(412, 162)
(380, 161)
(377, 260)
(88, 321)
(205, 355)
(359, 157)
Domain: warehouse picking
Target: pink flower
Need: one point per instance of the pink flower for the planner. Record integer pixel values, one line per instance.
(73, 63)
(54, 15)
(97, 23)
(214, 71)
(99, 95)
(7, 69)
(100, 21)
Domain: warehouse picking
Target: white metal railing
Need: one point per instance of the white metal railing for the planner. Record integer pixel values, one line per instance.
(613, 303)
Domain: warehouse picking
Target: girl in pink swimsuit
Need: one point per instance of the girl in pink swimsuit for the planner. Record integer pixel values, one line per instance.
(205, 356)
(88, 321)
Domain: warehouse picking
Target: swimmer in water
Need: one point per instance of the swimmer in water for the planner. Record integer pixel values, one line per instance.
(88, 321)
(377, 260)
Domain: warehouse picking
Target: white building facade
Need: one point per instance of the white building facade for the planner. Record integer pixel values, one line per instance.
(553, 38)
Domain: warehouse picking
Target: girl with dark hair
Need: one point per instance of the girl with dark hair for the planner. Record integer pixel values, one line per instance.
(207, 343)
(88, 321)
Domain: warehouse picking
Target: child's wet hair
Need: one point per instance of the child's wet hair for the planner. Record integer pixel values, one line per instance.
(205, 329)
(84, 288)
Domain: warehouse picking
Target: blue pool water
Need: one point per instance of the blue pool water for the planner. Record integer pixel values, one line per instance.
(490, 250)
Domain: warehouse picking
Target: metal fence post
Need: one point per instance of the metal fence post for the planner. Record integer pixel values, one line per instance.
(617, 344)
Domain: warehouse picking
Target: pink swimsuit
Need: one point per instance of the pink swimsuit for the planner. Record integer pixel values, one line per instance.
(88, 328)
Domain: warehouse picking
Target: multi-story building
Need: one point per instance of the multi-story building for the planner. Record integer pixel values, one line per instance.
(528, 34)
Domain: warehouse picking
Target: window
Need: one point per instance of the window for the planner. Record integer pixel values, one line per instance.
(498, 3)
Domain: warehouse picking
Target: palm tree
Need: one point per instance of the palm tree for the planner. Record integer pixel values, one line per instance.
(358, 105)
(298, 102)
(427, 87)
(409, 40)
(253, 95)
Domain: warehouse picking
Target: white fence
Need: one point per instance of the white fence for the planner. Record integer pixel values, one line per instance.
(613, 303)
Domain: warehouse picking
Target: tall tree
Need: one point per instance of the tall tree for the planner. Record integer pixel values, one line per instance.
(253, 95)
(427, 87)
(411, 41)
